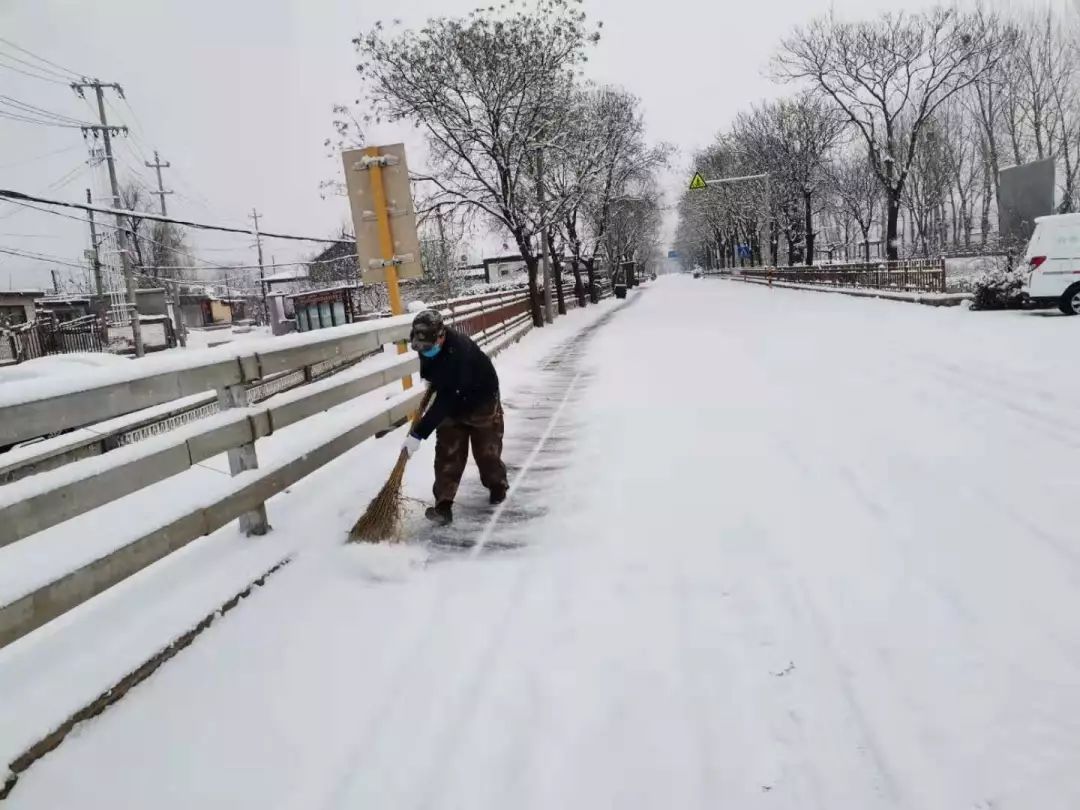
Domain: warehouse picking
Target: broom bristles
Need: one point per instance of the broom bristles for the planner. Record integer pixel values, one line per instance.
(382, 519)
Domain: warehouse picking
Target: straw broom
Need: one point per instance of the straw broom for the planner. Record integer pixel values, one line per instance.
(382, 519)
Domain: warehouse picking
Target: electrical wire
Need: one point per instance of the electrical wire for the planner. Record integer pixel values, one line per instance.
(45, 123)
(21, 49)
(24, 108)
(112, 229)
(131, 140)
(41, 257)
(31, 75)
(65, 179)
(43, 70)
(40, 157)
(135, 117)
(17, 196)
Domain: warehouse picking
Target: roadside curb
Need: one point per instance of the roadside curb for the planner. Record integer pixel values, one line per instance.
(926, 299)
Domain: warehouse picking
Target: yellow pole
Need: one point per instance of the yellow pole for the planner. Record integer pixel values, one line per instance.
(386, 246)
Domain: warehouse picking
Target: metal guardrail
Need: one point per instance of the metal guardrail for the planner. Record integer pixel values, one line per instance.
(465, 312)
(234, 431)
(916, 275)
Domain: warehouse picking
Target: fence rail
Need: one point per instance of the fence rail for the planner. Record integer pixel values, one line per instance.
(915, 275)
(45, 337)
(470, 314)
(42, 501)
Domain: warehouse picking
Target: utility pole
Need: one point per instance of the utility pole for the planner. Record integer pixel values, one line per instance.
(178, 318)
(262, 276)
(95, 258)
(121, 233)
(545, 248)
(161, 192)
(55, 283)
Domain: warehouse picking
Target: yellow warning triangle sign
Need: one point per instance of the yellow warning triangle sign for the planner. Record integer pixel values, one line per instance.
(698, 182)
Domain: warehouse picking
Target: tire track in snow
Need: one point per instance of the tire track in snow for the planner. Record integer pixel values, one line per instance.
(407, 673)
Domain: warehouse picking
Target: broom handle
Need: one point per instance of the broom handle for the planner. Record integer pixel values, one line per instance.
(419, 413)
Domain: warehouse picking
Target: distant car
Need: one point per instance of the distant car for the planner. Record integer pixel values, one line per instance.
(1053, 263)
(697, 272)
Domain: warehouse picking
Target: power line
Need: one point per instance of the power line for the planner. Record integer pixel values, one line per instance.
(206, 265)
(44, 70)
(136, 151)
(19, 48)
(41, 257)
(31, 75)
(24, 108)
(65, 179)
(115, 228)
(16, 196)
(135, 117)
(45, 123)
(40, 157)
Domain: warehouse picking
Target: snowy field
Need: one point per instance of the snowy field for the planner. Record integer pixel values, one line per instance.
(766, 549)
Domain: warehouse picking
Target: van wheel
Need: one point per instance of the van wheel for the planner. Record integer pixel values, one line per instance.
(1070, 301)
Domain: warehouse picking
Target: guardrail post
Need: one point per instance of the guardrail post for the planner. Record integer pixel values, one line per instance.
(243, 458)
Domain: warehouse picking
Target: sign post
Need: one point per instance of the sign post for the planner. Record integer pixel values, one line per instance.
(387, 244)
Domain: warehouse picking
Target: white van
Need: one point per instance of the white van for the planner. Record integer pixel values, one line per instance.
(1053, 263)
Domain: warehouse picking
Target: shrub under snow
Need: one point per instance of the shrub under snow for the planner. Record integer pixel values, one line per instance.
(998, 289)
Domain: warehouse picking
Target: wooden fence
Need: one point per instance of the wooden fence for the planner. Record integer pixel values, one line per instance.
(45, 337)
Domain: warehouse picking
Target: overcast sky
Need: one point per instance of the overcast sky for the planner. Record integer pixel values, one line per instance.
(237, 95)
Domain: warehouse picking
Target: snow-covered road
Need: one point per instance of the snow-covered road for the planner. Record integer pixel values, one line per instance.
(780, 549)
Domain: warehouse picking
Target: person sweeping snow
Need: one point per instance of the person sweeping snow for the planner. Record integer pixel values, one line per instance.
(466, 409)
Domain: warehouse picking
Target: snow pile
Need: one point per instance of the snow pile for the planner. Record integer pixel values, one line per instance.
(203, 338)
(416, 306)
(382, 562)
(62, 364)
(999, 289)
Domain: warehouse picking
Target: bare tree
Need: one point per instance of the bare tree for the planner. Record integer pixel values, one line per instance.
(159, 248)
(791, 139)
(484, 90)
(614, 116)
(889, 76)
(857, 192)
(927, 186)
(730, 214)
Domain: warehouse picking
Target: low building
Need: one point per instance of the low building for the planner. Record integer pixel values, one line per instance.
(199, 309)
(335, 266)
(220, 311)
(321, 309)
(18, 306)
(291, 280)
(64, 308)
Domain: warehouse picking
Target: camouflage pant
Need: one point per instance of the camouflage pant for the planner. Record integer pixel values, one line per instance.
(484, 428)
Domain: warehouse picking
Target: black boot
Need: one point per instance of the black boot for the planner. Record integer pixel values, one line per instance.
(441, 514)
(498, 495)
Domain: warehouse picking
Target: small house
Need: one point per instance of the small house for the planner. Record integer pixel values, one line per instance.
(18, 306)
(321, 309)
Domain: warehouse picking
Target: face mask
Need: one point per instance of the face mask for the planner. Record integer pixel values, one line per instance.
(430, 353)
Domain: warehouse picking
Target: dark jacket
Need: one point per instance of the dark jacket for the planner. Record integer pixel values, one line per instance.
(463, 377)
